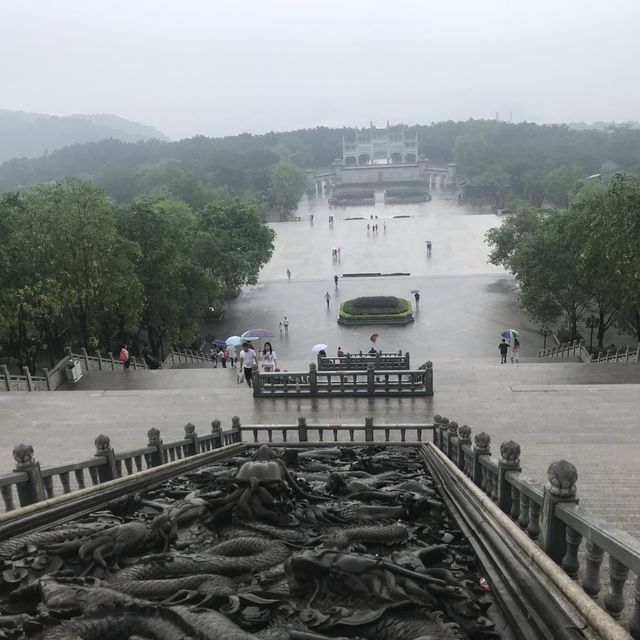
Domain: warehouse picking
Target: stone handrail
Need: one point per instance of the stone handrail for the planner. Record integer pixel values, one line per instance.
(185, 356)
(370, 383)
(549, 514)
(577, 349)
(354, 361)
(619, 355)
(53, 378)
(303, 432)
(30, 483)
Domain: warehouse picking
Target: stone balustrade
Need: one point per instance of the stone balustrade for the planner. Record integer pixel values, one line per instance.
(30, 483)
(576, 349)
(550, 515)
(357, 361)
(354, 383)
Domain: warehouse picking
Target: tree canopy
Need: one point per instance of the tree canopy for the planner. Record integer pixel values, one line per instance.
(578, 261)
(77, 267)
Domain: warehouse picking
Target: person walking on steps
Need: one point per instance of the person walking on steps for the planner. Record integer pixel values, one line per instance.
(327, 297)
(515, 350)
(504, 349)
(288, 274)
(416, 295)
(285, 324)
(123, 356)
(335, 279)
(248, 358)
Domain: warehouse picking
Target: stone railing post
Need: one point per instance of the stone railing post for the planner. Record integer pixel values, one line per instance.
(348, 361)
(107, 470)
(47, 377)
(481, 447)
(368, 429)
(99, 356)
(6, 376)
(371, 380)
(436, 433)
(303, 436)
(32, 490)
(407, 360)
(560, 488)
(216, 429)
(509, 461)
(27, 375)
(428, 378)
(85, 355)
(451, 433)
(113, 361)
(191, 435)
(313, 379)
(237, 429)
(255, 381)
(156, 457)
(464, 437)
(443, 426)
(134, 362)
(173, 358)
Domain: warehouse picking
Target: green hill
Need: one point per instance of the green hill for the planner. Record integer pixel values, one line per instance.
(24, 134)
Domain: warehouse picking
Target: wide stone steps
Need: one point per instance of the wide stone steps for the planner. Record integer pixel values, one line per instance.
(458, 374)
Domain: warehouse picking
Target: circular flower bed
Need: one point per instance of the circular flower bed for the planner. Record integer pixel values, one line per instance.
(376, 309)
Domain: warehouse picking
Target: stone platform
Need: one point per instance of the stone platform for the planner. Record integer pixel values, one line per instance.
(586, 414)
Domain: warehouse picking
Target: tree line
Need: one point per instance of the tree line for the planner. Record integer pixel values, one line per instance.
(524, 162)
(77, 267)
(581, 263)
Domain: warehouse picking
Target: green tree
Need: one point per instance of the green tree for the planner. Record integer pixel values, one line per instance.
(234, 243)
(91, 267)
(176, 287)
(561, 184)
(287, 184)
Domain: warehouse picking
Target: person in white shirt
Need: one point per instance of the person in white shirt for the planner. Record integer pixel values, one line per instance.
(248, 358)
(269, 358)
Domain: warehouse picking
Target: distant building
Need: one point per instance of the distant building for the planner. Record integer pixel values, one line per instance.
(373, 146)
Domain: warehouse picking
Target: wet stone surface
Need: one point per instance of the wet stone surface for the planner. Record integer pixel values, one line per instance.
(332, 543)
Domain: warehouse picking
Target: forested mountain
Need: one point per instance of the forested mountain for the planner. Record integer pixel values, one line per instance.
(523, 161)
(24, 134)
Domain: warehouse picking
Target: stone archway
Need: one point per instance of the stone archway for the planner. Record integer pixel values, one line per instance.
(410, 158)
(396, 158)
(350, 161)
(364, 158)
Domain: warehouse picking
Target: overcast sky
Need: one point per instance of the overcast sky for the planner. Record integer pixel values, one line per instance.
(219, 67)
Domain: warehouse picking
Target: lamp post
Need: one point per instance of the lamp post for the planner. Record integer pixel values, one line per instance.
(592, 322)
(545, 331)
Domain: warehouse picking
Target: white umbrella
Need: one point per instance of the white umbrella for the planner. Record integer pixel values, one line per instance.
(318, 347)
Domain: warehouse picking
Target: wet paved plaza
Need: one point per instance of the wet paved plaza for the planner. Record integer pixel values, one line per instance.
(465, 302)
(587, 414)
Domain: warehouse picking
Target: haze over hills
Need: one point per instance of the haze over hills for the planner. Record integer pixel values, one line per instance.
(24, 134)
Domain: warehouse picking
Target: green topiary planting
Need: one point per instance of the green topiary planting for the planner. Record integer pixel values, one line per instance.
(373, 309)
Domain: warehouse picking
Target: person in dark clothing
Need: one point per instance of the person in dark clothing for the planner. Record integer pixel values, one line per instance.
(335, 279)
(416, 295)
(504, 349)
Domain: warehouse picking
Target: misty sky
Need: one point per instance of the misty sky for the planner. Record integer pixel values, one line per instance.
(221, 67)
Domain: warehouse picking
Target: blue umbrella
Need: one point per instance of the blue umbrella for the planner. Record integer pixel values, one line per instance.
(234, 341)
(219, 343)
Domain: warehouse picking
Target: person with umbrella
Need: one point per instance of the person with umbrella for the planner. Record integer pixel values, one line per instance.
(504, 349)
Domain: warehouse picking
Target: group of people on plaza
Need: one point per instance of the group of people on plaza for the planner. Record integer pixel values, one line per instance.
(245, 359)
